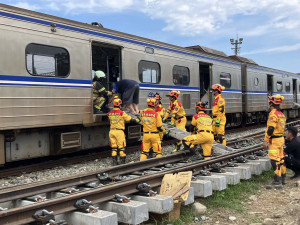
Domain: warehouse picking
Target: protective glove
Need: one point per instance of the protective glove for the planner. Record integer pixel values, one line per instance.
(167, 133)
(138, 119)
(218, 121)
(164, 120)
(171, 125)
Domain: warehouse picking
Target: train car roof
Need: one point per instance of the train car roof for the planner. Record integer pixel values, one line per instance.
(194, 50)
(54, 19)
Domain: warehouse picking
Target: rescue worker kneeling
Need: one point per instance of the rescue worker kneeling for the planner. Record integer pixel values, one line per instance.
(203, 132)
(274, 137)
(117, 119)
(100, 94)
(218, 112)
(152, 125)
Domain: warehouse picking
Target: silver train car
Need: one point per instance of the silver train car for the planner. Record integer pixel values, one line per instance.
(46, 82)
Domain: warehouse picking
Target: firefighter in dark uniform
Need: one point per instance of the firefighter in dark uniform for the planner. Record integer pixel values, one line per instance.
(100, 94)
(274, 138)
(292, 151)
(178, 114)
(218, 112)
(152, 125)
(202, 132)
(117, 119)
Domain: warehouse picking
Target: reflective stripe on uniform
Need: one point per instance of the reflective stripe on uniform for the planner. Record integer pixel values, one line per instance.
(272, 151)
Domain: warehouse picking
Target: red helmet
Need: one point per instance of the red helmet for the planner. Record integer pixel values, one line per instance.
(276, 99)
(157, 97)
(218, 87)
(174, 93)
(151, 102)
(117, 102)
(201, 106)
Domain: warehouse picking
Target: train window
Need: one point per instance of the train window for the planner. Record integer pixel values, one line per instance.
(256, 81)
(149, 72)
(181, 75)
(48, 61)
(225, 79)
(287, 86)
(279, 85)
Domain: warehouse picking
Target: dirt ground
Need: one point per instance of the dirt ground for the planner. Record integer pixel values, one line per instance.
(276, 207)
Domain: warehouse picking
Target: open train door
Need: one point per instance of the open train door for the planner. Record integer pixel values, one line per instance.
(205, 71)
(295, 90)
(270, 85)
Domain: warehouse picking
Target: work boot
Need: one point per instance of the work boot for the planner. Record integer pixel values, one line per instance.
(276, 183)
(114, 160)
(177, 148)
(123, 160)
(283, 176)
(186, 147)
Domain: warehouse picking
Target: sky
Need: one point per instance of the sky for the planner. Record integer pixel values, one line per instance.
(269, 28)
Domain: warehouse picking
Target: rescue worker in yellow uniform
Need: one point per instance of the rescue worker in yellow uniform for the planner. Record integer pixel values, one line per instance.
(178, 114)
(160, 110)
(218, 111)
(274, 138)
(152, 125)
(117, 119)
(100, 94)
(203, 132)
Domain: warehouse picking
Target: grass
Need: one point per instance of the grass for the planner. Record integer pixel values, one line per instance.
(233, 198)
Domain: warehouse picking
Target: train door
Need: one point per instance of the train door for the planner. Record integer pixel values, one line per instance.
(108, 59)
(295, 90)
(205, 73)
(270, 85)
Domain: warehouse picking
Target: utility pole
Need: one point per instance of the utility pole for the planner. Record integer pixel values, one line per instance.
(236, 44)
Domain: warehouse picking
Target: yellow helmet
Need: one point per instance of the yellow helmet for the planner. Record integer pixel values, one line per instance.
(276, 99)
(151, 102)
(117, 102)
(174, 93)
(218, 87)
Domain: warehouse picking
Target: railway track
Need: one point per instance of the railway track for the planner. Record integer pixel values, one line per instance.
(23, 215)
(117, 180)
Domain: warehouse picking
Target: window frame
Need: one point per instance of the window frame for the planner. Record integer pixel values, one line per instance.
(158, 76)
(45, 55)
(189, 75)
(256, 79)
(225, 85)
(279, 82)
(288, 82)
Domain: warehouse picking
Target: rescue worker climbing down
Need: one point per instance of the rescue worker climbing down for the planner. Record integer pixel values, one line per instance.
(178, 114)
(203, 132)
(116, 134)
(152, 125)
(100, 94)
(274, 138)
(218, 111)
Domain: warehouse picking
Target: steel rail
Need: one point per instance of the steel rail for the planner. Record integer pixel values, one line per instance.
(24, 215)
(5, 172)
(22, 191)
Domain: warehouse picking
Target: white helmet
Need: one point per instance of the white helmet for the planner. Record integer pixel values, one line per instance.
(99, 74)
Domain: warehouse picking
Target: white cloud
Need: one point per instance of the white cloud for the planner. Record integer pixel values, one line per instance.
(285, 48)
(26, 5)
